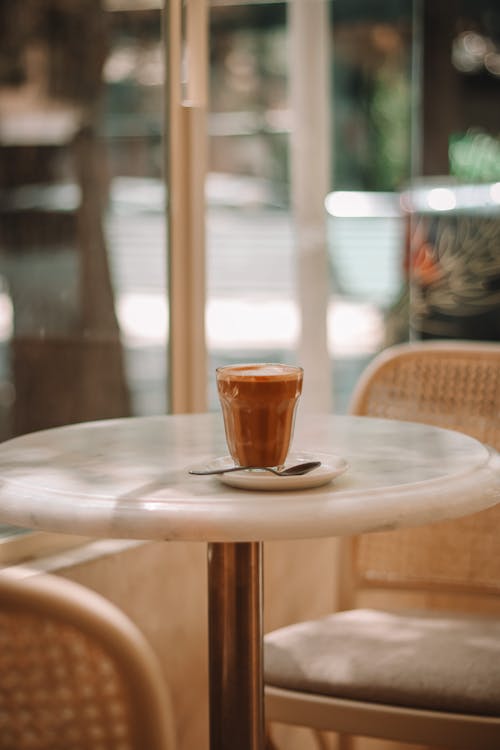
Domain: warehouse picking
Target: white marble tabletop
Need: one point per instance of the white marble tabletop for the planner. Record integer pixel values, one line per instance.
(129, 479)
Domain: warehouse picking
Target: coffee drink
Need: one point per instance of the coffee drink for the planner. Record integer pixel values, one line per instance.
(258, 405)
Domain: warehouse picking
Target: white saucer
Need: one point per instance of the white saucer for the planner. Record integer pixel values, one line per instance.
(331, 466)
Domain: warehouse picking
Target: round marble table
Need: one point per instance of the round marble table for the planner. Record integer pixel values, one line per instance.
(129, 479)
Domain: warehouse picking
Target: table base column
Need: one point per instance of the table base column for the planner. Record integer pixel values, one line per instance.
(235, 646)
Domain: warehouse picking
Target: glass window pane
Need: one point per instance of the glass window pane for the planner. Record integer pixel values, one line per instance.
(454, 202)
(413, 109)
(251, 308)
(83, 277)
(372, 95)
(257, 238)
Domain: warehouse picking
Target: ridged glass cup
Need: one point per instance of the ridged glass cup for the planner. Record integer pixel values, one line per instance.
(258, 403)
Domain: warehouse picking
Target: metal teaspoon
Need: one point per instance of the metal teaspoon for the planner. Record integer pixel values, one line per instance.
(290, 471)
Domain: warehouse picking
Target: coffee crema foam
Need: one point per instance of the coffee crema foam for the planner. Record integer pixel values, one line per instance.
(259, 371)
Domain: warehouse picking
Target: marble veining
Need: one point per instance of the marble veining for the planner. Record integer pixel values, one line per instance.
(128, 479)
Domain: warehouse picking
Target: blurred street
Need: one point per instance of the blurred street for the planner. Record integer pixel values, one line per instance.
(251, 308)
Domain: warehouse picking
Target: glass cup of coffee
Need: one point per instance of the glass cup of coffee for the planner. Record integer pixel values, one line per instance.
(258, 406)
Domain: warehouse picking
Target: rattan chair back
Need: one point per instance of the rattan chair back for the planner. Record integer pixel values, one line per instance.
(455, 385)
(75, 672)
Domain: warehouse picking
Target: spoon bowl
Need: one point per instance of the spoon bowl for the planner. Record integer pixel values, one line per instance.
(290, 471)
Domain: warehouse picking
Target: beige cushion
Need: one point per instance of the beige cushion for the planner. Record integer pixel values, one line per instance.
(422, 660)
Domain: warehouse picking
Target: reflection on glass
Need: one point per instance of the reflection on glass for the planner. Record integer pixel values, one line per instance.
(82, 256)
(453, 211)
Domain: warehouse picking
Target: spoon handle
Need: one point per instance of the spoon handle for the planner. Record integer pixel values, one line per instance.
(204, 472)
(291, 471)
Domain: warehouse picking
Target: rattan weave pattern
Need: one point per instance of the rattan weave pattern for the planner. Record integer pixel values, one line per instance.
(58, 690)
(455, 385)
(459, 391)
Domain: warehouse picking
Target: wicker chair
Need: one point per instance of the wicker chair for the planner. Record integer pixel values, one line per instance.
(426, 670)
(75, 673)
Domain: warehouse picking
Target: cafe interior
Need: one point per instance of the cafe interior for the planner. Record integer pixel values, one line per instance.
(188, 185)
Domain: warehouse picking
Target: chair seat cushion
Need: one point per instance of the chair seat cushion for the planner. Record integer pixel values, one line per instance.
(424, 660)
